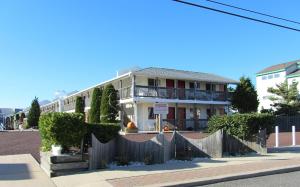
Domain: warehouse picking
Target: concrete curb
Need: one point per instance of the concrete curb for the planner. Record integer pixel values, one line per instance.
(225, 178)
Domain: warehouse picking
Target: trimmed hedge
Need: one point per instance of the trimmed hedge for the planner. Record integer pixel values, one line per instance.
(65, 129)
(243, 126)
(103, 132)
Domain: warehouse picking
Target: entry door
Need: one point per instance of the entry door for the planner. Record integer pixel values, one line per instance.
(181, 118)
(181, 90)
(170, 84)
(171, 116)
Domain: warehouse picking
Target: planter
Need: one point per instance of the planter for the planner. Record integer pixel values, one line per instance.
(56, 150)
(131, 130)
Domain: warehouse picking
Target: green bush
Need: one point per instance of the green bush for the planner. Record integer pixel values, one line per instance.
(65, 129)
(79, 105)
(94, 113)
(109, 104)
(243, 126)
(103, 132)
(34, 113)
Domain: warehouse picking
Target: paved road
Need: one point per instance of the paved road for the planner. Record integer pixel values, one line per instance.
(282, 180)
(20, 142)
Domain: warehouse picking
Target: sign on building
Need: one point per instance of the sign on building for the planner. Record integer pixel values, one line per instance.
(160, 108)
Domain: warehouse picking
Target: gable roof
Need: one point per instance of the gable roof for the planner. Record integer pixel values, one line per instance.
(294, 74)
(154, 72)
(277, 67)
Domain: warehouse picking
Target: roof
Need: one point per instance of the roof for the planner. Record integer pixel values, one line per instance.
(294, 74)
(181, 74)
(277, 67)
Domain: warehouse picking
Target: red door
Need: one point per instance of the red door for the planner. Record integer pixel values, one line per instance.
(170, 84)
(171, 117)
(181, 90)
(181, 118)
(171, 114)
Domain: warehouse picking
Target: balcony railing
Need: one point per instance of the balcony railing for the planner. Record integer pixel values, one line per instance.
(180, 93)
(186, 124)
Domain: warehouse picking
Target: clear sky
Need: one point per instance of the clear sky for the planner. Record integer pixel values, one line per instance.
(69, 45)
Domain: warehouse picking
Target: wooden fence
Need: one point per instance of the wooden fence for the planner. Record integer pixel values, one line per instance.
(233, 145)
(210, 146)
(101, 153)
(160, 149)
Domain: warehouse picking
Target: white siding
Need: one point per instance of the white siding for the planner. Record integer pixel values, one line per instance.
(263, 85)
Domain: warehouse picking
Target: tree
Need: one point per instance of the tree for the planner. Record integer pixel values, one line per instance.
(17, 117)
(109, 104)
(285, 98)
(94, 114)
(244, 98)
(34, 113)
(22, 117)
(79, 105)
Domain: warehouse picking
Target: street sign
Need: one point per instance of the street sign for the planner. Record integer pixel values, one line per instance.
(160, 108)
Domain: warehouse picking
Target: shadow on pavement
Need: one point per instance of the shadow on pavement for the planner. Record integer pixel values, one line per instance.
(14, 172)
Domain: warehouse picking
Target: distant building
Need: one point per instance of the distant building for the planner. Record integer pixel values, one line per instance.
(273, 75)
(6, 113)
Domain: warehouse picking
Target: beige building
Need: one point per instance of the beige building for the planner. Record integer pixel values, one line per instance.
(192, 97)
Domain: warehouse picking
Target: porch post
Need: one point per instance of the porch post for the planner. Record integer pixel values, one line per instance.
(195, 87)
(133, 86)
(176, 115)
(121, 90)
(196, 126)
(135, 108)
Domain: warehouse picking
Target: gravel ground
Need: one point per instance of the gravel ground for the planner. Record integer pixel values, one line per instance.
(20, 142)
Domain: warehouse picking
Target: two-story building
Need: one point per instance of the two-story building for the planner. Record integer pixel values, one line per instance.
(192, 97)
(273, 75)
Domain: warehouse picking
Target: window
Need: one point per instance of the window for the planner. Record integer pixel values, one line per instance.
(213, 87)
(151, 113)
(208, 86)
(153, 82)
(270, 76)
(192, 85)
(264, 77)
(276, 75)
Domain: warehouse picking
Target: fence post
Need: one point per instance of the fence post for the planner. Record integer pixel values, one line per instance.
(276, 136)
(294, 135)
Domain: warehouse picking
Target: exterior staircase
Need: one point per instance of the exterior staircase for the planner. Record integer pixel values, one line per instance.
(62, 165)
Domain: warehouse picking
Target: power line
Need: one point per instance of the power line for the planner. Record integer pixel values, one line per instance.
(252, 11)
(236, 15)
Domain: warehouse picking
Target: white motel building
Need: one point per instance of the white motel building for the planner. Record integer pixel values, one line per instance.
(273, 75)
(191, 97)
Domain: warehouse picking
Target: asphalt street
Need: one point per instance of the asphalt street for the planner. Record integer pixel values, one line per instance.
(287, 179)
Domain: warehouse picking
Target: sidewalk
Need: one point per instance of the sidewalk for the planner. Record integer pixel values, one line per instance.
(22, 171)
(199, 171)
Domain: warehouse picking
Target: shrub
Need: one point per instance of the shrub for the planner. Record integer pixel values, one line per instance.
(122, 160)
(94, 114)
(243, 126)
(79, 105)
(149, 159)
(103, 132)
(65, 129)
(109, 104)
(34, 113)
(244, 98)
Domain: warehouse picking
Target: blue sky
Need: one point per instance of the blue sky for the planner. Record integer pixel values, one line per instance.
(70, 45)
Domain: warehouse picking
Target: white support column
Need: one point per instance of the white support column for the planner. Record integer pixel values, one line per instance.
(135, 109)
(294, 135)
(276, 136)
(60, 105)
(133, 86)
